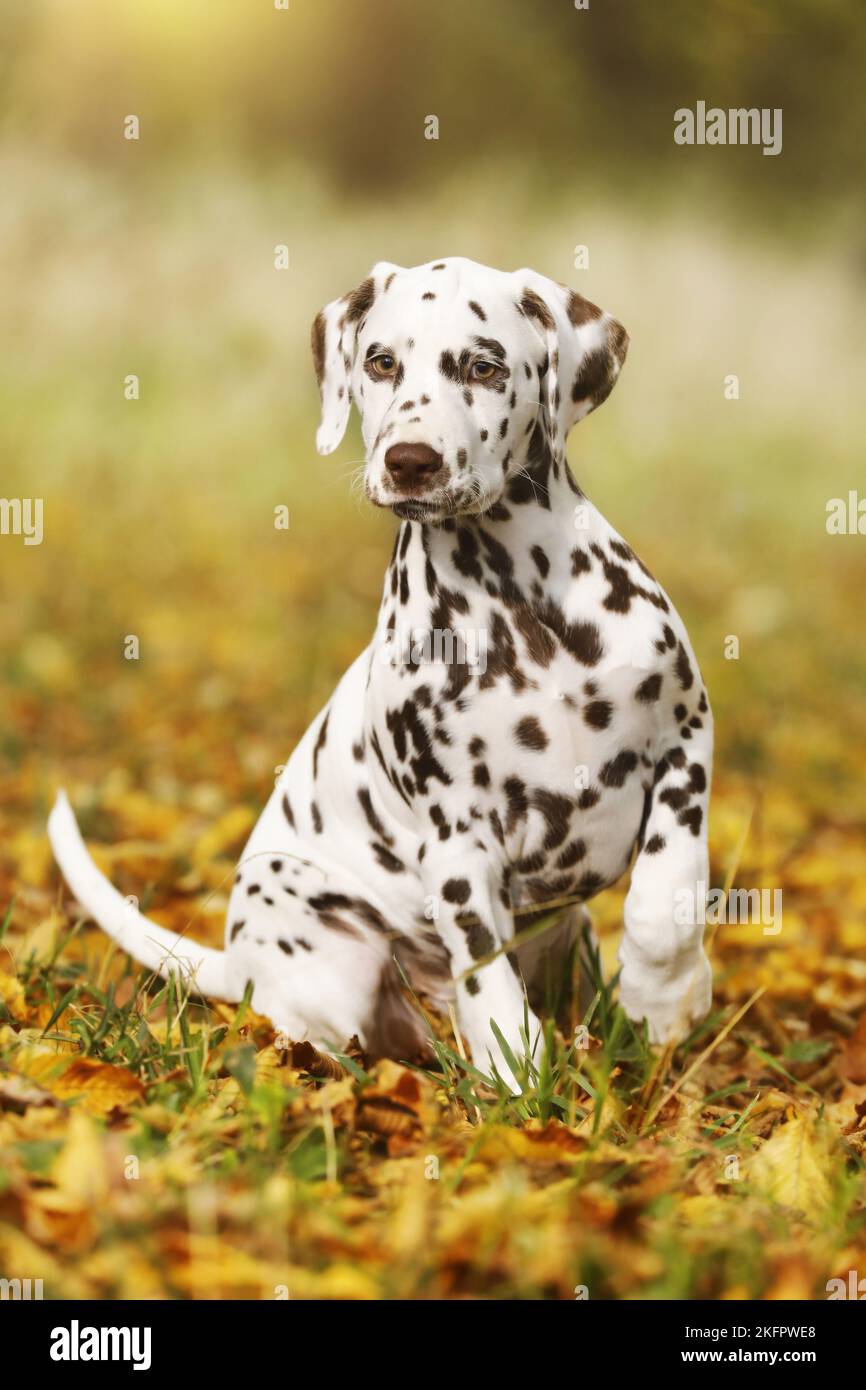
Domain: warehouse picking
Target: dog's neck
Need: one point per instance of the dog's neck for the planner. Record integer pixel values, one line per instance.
(523, 544)
(541, 505)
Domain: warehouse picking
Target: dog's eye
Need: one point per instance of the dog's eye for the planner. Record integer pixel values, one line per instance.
(383, 364)
(483, 371)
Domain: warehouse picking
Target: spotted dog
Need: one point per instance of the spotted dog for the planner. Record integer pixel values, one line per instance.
(433, 797)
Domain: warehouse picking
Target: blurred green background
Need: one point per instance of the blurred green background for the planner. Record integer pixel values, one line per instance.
(306, 127)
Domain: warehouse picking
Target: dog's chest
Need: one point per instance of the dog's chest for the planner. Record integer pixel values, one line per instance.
(503, 699)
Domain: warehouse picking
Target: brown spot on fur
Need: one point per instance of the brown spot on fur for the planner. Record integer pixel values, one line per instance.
(581, 311)
(456, 890)
(593, 380)
(360, 301)
(534, 307)
(530, 734)
(649, 689)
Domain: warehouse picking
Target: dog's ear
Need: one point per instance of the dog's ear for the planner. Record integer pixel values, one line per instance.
(586, 349)
(334, 341)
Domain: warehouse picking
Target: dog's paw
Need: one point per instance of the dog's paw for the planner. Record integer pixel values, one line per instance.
(509, 1061)
(671, 1002)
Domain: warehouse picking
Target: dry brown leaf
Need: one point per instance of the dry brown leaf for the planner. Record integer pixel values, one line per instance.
(304, 1057)
(381, 1116)
(95, 1086)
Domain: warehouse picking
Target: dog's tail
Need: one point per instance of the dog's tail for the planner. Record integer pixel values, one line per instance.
(203, 968)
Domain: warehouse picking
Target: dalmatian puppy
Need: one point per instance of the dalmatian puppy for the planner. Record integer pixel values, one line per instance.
(562, 736)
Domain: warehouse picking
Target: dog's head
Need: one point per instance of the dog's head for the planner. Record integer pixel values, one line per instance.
(454, 367)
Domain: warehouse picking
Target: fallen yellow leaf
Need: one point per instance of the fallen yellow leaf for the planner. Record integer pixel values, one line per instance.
(792, 1168)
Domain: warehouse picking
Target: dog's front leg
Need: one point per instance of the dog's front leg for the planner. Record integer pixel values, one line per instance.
(465, 900)
(666, 976)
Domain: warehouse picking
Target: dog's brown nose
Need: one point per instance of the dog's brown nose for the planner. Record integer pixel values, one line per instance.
(413, 466)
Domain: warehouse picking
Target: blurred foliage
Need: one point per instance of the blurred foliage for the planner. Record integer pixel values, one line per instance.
(577, 96)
